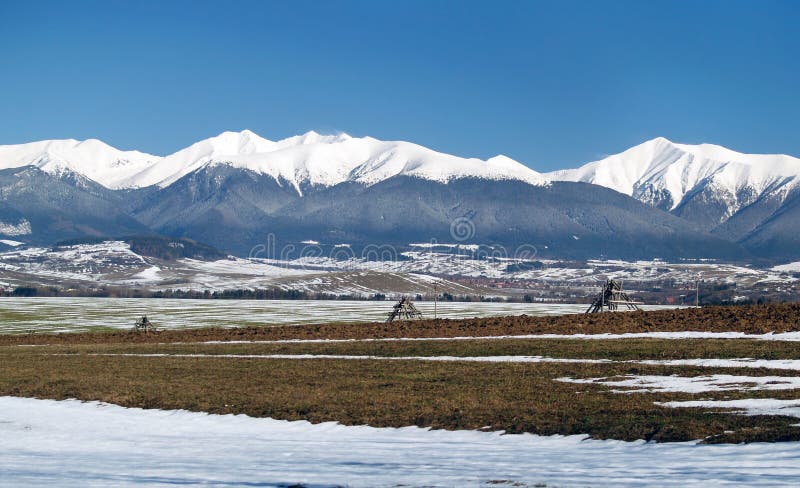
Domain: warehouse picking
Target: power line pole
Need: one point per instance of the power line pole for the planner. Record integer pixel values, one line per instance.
(435, 298)
(697, 292)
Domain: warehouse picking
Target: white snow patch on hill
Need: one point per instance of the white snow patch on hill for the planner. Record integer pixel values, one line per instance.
(788, 268)
(149, 274)
(21, 228)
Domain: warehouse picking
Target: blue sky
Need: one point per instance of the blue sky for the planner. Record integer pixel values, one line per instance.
(551, 84)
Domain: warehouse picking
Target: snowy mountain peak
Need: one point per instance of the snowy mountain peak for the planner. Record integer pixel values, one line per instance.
(312, 137)
(231, 143)
(501, 160)
(663, 173)
(91, 158)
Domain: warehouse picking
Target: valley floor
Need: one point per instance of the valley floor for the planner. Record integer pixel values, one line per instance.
(112, 268)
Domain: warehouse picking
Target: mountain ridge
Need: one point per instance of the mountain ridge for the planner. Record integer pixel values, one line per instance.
(650, 171)
(233, 189)
(309, 159)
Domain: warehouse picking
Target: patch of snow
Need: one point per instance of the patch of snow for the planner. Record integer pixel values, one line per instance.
(68, 442)
(149, 274)
(691, 384)
(789, 267)
(11, 243)
(469, 359)
(785, 364)
(779, 364)
(743, 363)
(21, 228)
(433, 245)
(750, 406)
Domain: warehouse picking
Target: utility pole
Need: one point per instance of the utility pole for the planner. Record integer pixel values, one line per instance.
(697, 292)
(435, 298)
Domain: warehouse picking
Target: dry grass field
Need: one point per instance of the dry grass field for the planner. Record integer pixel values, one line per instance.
(514, 384)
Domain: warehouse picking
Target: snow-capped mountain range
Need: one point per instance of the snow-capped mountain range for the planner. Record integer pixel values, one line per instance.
(658, 172)
(233, 189)
(308, 159)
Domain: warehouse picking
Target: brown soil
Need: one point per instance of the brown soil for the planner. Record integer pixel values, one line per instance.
(754, 319)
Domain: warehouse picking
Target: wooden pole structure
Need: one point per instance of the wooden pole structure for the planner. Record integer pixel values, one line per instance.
(404, 309)
(144, 325)
(611, 297)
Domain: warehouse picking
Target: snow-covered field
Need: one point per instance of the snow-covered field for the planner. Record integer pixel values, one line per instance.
(62, 314)
(69, 443)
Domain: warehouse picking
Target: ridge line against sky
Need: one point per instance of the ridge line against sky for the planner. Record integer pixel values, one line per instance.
(550, 84)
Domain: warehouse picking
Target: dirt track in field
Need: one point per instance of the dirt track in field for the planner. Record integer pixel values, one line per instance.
(753, 319)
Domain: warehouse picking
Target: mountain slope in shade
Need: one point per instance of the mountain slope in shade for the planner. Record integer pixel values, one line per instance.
(776, 236)
(91, 158)
(41, 208)
(561, 219)
(237, 209)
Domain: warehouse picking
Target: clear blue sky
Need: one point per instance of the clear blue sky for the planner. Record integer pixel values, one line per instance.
(551, 84)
